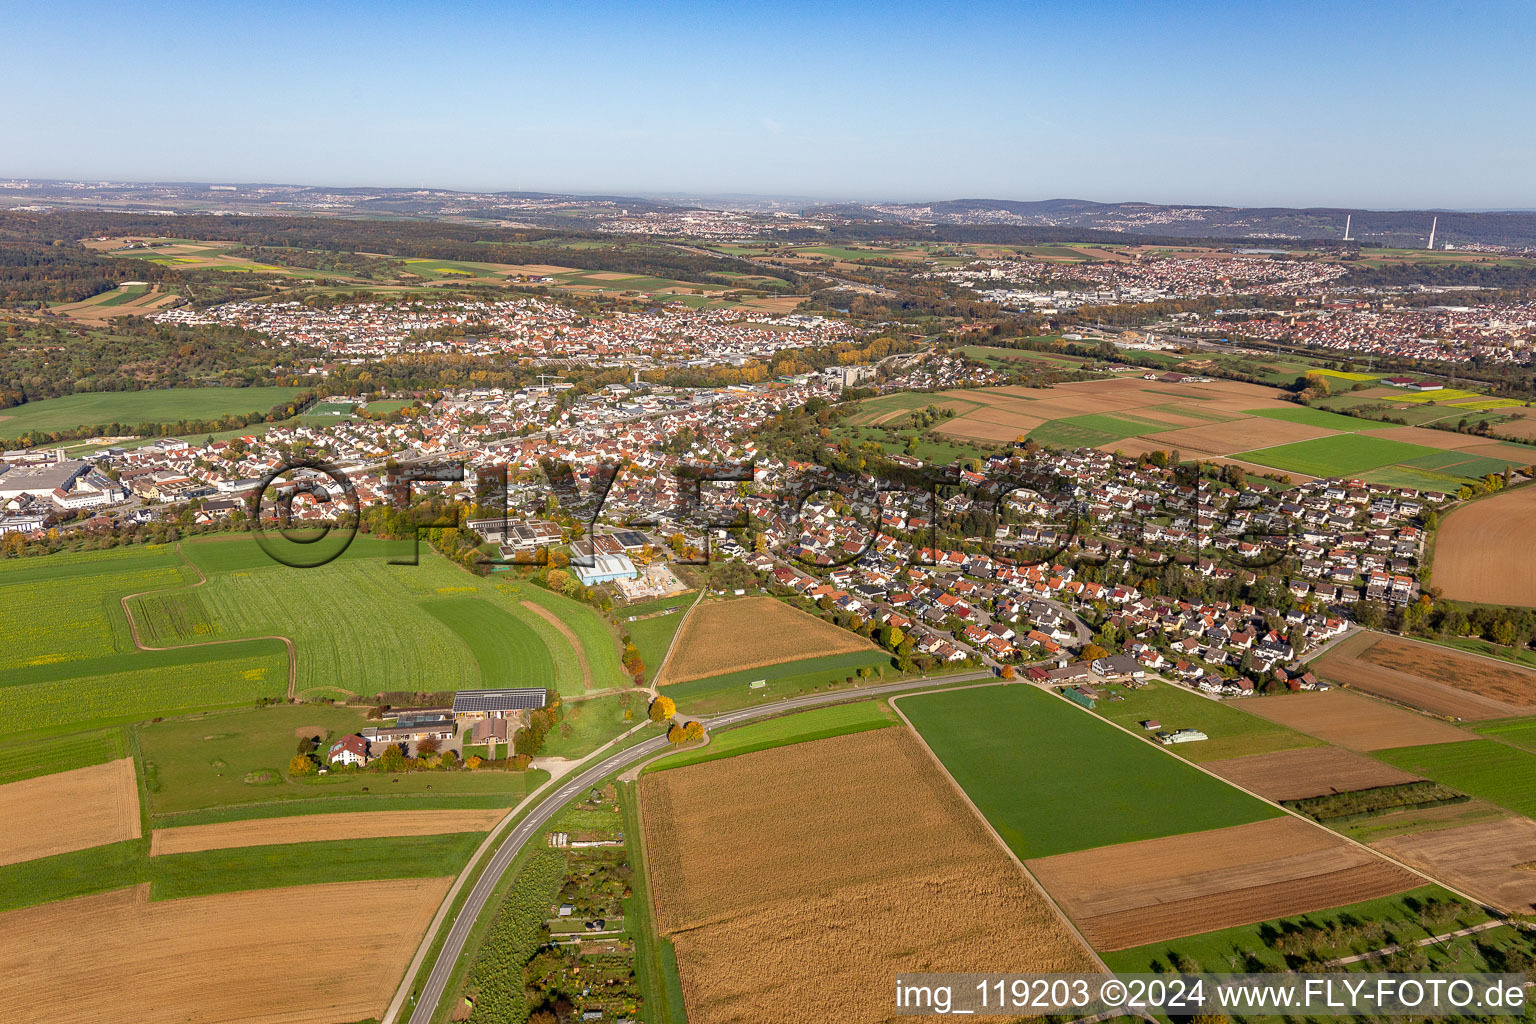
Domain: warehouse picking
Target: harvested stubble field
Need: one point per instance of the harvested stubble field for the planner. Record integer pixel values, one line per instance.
(733, 636)
(858, 862)
(1484, 860)
(1158, 889)
(317, 828)
(1310, 771)
(1351, 721)
(214, 958)
(67, 811)
(1483, 551)
(1437, 679)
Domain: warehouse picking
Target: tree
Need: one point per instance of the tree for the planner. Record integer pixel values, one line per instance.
(693, 731)
(301, 764)
(475, 761)
(663, 708)
(1093, 652)
(1008, 672)
(450, 759)
(676, 735)
(392, 760)
(893, 637)
(428, 747)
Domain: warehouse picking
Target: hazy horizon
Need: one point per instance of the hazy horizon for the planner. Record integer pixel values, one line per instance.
(1187, 103)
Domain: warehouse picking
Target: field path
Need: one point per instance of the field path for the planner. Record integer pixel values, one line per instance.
(656, 679)
(1431, 941)
(133, 627)
(570, 637)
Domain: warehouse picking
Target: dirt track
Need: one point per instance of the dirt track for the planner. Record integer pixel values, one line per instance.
(67, 811)
(315, 828)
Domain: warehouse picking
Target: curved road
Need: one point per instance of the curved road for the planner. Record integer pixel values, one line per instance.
(458, 933)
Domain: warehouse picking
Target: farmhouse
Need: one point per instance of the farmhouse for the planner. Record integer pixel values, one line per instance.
(415, 726)
(348, 750)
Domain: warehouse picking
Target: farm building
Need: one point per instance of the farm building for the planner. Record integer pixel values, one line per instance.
(413, 727)
(474, 705)
(1181, 736)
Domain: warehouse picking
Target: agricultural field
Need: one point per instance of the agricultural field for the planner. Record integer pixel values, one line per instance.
(857, 863)
(1311, 771)
(1291, 943)
(714, 694)
(1520, 732)
(1024, 756)
(802, 727)
(214, 958)
(724, 637)
(1131, 894)
(652, 631)
(131, 408)
(1436, 679)
(100, 677)
(1347, 720)
(361, 625)
(1253, 426)
(22, 759)
(124, 300)
(1483, 551)
(317, 828)
(1495, 771)
(1232, 732)
(1492, 861)
(71, 810)
(230, 765)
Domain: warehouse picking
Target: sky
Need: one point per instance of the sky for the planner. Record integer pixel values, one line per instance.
(1378, 106)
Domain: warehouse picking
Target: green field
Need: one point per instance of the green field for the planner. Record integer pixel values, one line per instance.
(1027, 758)
(1245, 949)
(1342, 455)
(362, 625)
(121, 295)
(233, 764)
(104, 868)
(28, 759)
(1495, 771)
(132, 408)
(1317, 418)
(818, 724)
(652, 636)
(1519, 731)
(1233, 733)
(586, 725)
(99, 677)
(724, 693)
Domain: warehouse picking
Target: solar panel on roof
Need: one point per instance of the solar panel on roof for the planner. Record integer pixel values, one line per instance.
(499, 700)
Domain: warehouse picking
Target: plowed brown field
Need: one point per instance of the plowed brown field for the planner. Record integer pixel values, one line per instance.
(1437, 679)
(1131, 894)
(1483, 551)
(731, 636)
(117, 957)
(1480, 859)
(850, 858)
(1352, 721)
(316, 828)
(1310, 771)
(68, 811)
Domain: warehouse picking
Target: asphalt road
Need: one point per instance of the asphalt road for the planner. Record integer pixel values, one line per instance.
(458, 932)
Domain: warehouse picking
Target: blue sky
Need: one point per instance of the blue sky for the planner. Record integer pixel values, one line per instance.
(1364, 105)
